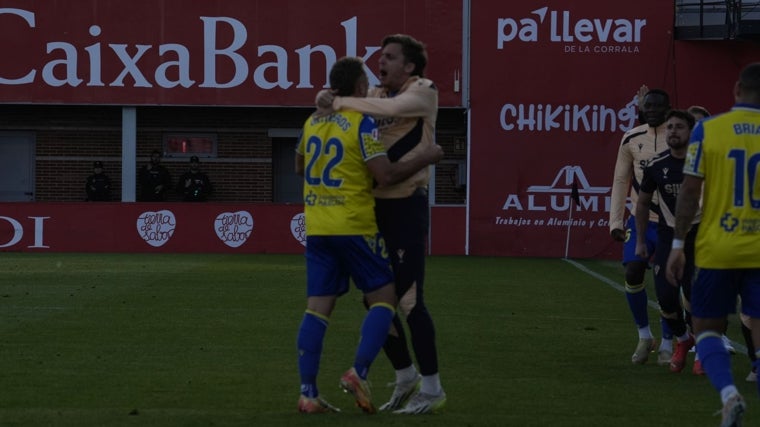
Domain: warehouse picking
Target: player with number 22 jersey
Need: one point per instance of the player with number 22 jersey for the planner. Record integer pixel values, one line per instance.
(346, 206)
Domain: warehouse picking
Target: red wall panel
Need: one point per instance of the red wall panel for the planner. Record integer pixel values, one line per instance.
(448, 230)
(552, 93)
(151, 227)
(179, 52)
(179, 227)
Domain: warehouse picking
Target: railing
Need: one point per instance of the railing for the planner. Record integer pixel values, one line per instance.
(717, 19)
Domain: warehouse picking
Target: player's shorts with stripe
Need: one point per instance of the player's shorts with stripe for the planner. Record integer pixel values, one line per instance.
(332, 260)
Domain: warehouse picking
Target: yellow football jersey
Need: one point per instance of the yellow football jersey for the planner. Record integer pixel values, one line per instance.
(337, 184)
(725, 151)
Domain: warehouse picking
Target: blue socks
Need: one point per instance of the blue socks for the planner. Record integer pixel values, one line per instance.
(375, 328)
(637, 302)
(310, 337)
(715, 359)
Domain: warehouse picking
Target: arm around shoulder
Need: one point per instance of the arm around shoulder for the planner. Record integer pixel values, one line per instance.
(387, 173)
(413, 102)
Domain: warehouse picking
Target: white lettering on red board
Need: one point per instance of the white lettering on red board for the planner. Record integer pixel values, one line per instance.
(156, 228)
(18, 232)
(233, 228)
(563, 28)
(62, 65)
(567, 117)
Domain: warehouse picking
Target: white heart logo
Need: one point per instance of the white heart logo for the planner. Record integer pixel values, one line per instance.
(233, 228)
(156, 228)
(298, 228)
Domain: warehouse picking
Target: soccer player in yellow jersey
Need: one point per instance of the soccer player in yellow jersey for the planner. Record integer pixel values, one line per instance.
(339, 156)
(405, 106)
(723, 166)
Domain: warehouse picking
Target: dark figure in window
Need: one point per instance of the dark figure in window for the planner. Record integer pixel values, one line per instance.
(98, 185)
(154, 180)
(194, 185)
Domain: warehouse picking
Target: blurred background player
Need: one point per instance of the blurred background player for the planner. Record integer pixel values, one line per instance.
(699, 112)
(636, 148)
(663, 175)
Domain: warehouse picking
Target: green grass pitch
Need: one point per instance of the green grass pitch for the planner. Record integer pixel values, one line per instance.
(209, 340)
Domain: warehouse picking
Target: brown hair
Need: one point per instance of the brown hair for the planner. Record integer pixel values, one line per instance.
(683, 115)
(413, 50)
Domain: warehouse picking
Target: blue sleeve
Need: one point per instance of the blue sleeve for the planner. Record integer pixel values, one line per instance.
(698, 133)
(369, 138)
(367, 125)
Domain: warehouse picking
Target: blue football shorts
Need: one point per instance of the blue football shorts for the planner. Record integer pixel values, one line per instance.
(332, 260)
(629, 246)
(714, 292)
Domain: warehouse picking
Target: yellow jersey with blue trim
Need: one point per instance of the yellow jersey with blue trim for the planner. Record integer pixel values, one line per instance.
(724, 150)
(338, 185)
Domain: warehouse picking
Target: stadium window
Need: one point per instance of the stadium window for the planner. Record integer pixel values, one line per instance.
(185, 145)
(288, 186)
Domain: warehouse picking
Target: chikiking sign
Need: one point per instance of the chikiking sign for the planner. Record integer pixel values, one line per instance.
(553, 90)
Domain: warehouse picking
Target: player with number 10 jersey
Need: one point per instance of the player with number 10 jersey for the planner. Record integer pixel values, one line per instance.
(727, 147)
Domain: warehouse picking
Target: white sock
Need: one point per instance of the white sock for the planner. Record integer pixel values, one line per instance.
(645, 332)
(431, 384)
(727, 392)
(405, 375)
(666, 345)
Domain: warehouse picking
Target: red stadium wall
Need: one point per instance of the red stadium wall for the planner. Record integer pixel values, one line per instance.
(447, 230)
(150, 227)
(705, 71)
(178, 227)
(552, 91)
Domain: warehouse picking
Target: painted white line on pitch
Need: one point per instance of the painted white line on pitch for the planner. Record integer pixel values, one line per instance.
(606, 280)
(738, 346)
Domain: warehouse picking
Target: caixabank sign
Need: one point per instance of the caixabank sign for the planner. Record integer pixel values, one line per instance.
(178, 52)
